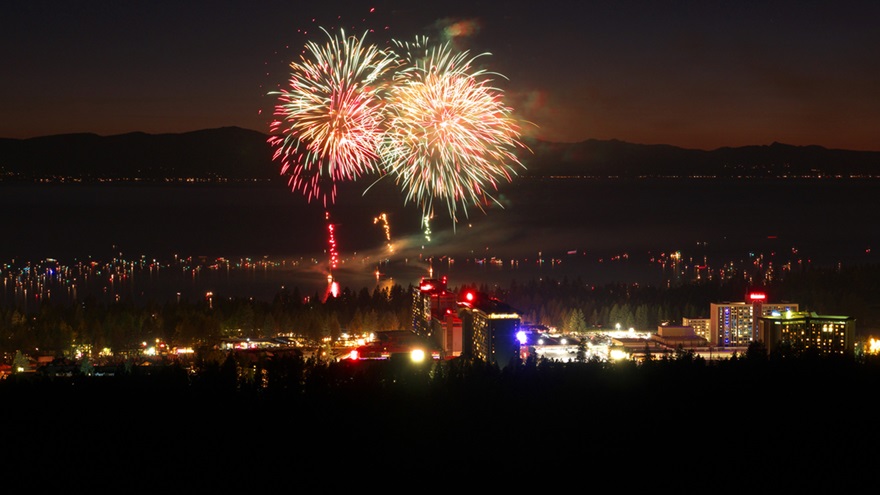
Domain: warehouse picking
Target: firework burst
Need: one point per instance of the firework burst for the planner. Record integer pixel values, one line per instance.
(329, 120)
(448, 134)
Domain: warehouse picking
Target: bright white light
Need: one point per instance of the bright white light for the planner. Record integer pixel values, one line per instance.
(417, 355)
(617, 354)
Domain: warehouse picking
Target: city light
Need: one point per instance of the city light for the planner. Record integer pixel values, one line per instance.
(617, 355)
(417, 355)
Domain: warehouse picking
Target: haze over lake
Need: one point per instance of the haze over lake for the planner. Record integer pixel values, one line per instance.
(602, 230)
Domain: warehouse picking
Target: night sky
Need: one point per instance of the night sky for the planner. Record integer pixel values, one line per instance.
(697, 74)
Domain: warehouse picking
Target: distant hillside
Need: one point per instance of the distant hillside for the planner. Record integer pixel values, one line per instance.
(228, 152)
(617, 158)
(240, 154)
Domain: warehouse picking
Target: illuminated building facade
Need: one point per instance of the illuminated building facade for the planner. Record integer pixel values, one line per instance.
(735, 324)
(435, 315)
(700, 325)
(431, 302)
(489, 329)
(451, 335)
(471, 324)
(674, 337)
(826, 334)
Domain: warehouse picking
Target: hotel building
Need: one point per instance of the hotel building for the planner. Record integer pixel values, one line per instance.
(826, 334)
(734, 324)
(435, 315)
(489, 329)
(470, 324)
(700, 325)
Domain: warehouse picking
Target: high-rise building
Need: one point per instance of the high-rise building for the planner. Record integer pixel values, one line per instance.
(825, 334)
(489, 329)
(470, 324)
(435, 315)
(734, 324)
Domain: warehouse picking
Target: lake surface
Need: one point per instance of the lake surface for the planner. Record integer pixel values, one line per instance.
(253, 239)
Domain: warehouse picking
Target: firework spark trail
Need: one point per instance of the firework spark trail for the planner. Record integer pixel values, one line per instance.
(426, 226)
(449, 134)
(329, 120)
(331, 242)
(386, 227)
(334, 255)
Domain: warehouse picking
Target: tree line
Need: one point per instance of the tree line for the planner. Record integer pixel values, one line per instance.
(570, 305)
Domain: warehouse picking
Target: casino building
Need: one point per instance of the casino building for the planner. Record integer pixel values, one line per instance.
(735, 324)
(435, 315)
(470, 324)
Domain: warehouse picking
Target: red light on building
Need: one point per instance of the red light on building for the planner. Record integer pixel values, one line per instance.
(757, 296)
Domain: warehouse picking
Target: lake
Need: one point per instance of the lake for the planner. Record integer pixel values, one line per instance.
(251, 239)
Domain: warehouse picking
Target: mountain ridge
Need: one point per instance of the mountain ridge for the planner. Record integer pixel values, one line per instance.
(234, 153)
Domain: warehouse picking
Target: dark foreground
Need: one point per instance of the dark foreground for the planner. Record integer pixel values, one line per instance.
(750, 422)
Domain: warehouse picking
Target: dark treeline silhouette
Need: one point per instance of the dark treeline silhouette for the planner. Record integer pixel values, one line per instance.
(124, 326)
(238, 411)
(847, 290)
(218, 410)
(566, 304)
(342, 390)
(267, 416)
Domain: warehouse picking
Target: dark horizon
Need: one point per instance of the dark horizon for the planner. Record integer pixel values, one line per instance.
(526, 139)
(234, 153)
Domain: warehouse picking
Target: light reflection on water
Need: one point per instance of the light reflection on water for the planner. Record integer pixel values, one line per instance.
(596, 231)
(191, 279)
